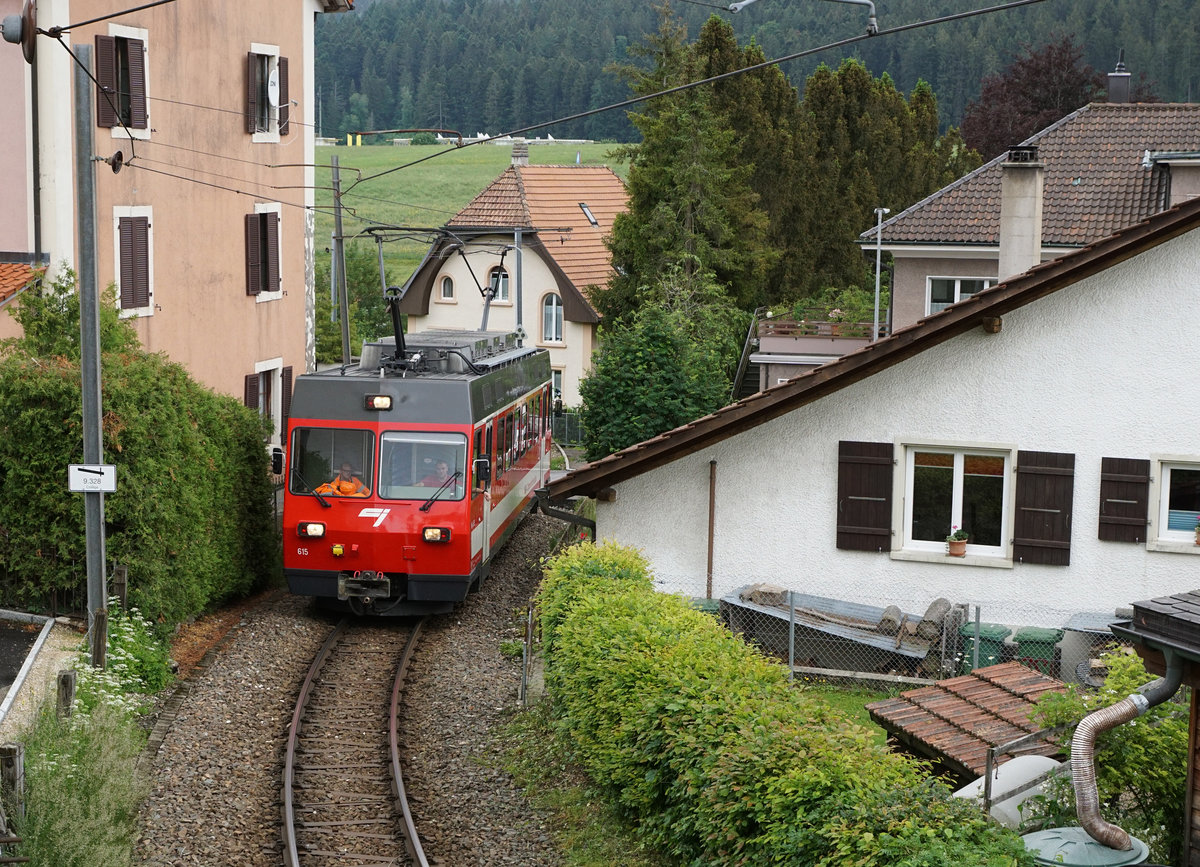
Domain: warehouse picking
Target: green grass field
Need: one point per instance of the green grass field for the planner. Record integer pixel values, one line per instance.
(425, 186)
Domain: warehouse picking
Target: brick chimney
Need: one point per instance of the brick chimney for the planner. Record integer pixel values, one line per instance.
(1021, 182)
(1118, 81)
(520, 156)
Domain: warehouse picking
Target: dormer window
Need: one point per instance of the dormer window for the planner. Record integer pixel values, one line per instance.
(587, 212)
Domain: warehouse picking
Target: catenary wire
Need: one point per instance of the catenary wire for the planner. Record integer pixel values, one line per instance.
(711, 80)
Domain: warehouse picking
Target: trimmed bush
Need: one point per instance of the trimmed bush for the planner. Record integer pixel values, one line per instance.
(192, 516)
(715, 756)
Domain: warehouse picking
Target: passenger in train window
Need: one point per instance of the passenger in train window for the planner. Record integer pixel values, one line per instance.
(345, 484)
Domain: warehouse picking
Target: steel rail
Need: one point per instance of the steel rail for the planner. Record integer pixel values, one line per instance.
(291, 856)
(411, 840)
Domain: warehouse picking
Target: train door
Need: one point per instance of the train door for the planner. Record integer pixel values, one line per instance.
(486, 520)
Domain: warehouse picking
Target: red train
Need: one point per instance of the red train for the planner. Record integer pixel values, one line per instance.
(407, 471)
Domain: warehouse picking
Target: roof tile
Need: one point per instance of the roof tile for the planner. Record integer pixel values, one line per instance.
(1095, 180)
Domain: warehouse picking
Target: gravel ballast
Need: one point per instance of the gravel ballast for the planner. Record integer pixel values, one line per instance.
(214, 767)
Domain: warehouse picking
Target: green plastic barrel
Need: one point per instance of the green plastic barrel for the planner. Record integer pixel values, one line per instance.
(1035, 648)
(991, 645)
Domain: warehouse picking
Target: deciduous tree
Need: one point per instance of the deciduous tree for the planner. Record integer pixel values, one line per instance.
(1040, 86)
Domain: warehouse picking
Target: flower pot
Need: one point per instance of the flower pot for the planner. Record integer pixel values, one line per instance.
(956, 547)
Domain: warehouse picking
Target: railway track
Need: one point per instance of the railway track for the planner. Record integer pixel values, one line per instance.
(344, 801)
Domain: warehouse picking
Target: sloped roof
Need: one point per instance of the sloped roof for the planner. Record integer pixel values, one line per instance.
(13, 278)
(545, 202)
(544, 198)
(1096, 179)
(833, 376)
(956, 721)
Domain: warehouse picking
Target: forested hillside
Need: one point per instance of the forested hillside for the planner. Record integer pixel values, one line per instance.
(499, 65)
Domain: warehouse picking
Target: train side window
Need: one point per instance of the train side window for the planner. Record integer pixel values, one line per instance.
(477, 453)
(510, 430)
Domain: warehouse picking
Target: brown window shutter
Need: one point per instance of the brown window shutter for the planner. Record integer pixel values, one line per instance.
(136, 49)
(272, 221)
(1044, 498)
(251, 395)
(285, 399)
(864, 516)
(1124, 499)
(254, 254)
(251, 92)
(128, 280)
(284, 105)
(106, 79)
(141, 261)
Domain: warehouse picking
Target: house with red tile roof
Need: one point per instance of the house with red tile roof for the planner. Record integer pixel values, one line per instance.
(206, 230)
(1051, 417)
(536, 235)
(14, 278)
(1096, 171)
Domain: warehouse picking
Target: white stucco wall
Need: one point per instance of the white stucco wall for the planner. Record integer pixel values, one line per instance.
(572, 356)
(1103, 368)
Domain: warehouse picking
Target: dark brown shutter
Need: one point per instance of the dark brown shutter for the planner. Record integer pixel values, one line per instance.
(125, 231)
(284, 105)
(285, 401)
(1044, 496)
(272, 252)
(251, 92)
(106, 78)
(254, 255)
(864, 515)
(1124, 498)
(251, 395)
(136, 50)
(134, 235)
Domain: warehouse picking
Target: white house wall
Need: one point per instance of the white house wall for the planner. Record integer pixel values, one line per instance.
(1103, 368)
(465, 312)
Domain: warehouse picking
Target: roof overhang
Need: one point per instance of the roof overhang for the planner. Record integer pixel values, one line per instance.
(980, 310)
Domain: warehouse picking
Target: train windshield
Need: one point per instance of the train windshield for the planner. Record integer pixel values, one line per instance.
(415, 464)
(320, 454)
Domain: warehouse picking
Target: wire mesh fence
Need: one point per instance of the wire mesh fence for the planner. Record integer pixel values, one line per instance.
(864, 640)
(566, 428)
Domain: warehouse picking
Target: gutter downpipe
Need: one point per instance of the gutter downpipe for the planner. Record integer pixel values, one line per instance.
(712, 520)
(1083, 765)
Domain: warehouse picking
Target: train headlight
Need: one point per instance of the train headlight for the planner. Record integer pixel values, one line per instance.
(436, 534)
(379, 401)
(311, 529)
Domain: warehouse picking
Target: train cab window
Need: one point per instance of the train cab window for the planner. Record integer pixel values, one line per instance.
(415, 464)
(319, 453)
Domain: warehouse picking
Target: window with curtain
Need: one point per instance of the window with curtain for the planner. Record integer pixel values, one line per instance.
(552, 319)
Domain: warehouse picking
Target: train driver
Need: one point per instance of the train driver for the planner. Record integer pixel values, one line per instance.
(439, 476)
(345, 484)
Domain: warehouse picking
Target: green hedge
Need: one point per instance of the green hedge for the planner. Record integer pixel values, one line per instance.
(192, 515)
(714, 755)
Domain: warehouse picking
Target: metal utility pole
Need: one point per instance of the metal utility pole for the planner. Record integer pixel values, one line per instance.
(339, 250)
(879, 215)
(89, 333)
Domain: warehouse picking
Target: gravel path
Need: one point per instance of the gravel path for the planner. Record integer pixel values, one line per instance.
(215, 774)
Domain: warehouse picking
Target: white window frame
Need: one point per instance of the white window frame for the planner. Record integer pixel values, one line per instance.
(277, 209)
(121, 31)
(272, 367)
(552, 329)
(120, 211)
(447, 282)
(988, 282)
(503, 295)
(556, 382)
(902, 505)
(271, 134)
(1160, 537)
